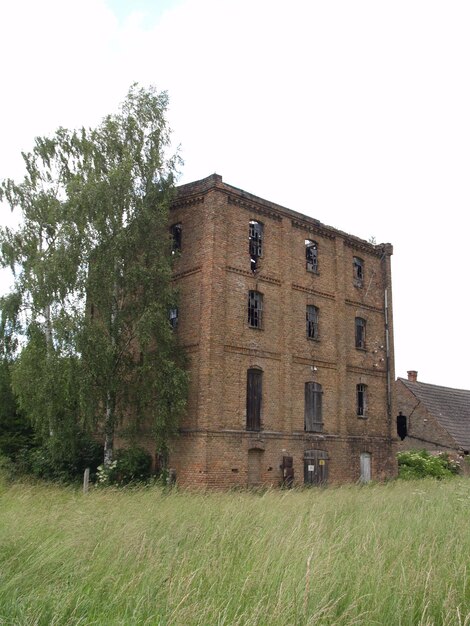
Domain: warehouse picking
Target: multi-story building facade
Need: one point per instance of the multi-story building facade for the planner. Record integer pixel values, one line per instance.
(287, 324)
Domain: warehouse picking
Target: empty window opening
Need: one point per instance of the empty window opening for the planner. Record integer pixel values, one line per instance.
(361, 398)
(358, 267)
(360, 333)
(402, 427)
(313, 408)
(312, 322)
(366, 473)
(311, 255)
(173, 317)
(254, 384)
(255, 309)
(176, 232)
(256, 243)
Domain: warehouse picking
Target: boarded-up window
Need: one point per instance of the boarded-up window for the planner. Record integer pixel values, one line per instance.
(255, 309)
(176, 231)
(312, 322)
(253, 399)
(358, 271)
(361, 400)
(313, 408)
(311, 255)
(360, 333)
(366, 472)
(256, 243)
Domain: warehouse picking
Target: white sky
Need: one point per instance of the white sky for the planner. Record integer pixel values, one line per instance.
(356, 112)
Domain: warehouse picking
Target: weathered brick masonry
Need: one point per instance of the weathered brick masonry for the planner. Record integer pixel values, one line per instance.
(215, 273)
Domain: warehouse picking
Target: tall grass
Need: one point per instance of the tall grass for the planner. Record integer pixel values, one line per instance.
(394, 554)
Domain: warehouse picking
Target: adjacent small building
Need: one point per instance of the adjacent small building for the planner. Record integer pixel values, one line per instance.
(432, 417)
(288, 326)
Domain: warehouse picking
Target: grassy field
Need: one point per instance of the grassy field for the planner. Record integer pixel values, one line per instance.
(394, 554)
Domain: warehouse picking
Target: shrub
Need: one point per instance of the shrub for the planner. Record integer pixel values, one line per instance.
(420, 464)
(130, 465)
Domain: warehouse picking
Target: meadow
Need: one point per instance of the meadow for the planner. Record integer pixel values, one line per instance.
(396, 554)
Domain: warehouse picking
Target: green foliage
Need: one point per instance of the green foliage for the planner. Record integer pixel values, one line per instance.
(130, 465)
(414, 464)
(15, 431)
(92, 290)
(386, 555)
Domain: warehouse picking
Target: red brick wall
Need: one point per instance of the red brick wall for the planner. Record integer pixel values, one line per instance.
(213, 276)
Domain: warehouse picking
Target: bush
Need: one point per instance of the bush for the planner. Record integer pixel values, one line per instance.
(420, 464)
(55, 461)
(130, 465)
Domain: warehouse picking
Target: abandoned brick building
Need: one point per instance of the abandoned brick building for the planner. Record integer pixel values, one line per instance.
(432, 417)
(288, 327)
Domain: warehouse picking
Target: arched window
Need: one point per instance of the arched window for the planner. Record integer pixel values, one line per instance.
(313, 408)
(361, 400)
(254, 388)
(312, 321)
(311, 255)
(360, 333)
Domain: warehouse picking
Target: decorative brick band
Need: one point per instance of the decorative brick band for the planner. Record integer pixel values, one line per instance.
(193, 270)
(361, 305)
(185, 202)
(264, 278)
(303, 360)
(314, 292)
(264, 354)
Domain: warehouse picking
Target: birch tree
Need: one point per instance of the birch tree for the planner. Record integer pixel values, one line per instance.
(93, 273)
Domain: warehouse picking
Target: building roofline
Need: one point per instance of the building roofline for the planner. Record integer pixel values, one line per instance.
(200, 187)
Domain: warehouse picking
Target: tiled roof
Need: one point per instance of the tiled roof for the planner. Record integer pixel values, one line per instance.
(450, 407)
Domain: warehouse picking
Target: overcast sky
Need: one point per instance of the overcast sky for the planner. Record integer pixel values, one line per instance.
(354, 112)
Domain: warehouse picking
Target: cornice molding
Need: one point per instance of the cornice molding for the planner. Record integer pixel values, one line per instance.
(313, 228)
(185, 202)
(254, 207)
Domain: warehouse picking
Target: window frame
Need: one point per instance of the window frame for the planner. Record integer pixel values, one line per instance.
(361, 400)
(360, 325)
(176, 231)
(358, 271)
(312, 315)
(255, 309)
(256, 240)
(311, 250)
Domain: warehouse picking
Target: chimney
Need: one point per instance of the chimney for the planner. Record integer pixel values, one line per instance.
(412, 376)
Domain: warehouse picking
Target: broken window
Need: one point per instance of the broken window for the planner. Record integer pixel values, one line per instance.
(173, 317)
(311, 255)
(402, 428)
(254, 383)
(176, 232)
(358, 268)
(312, 322)
(313, 408)
(255, 309)
(361, 398)
(256, 243)
(360, 333)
